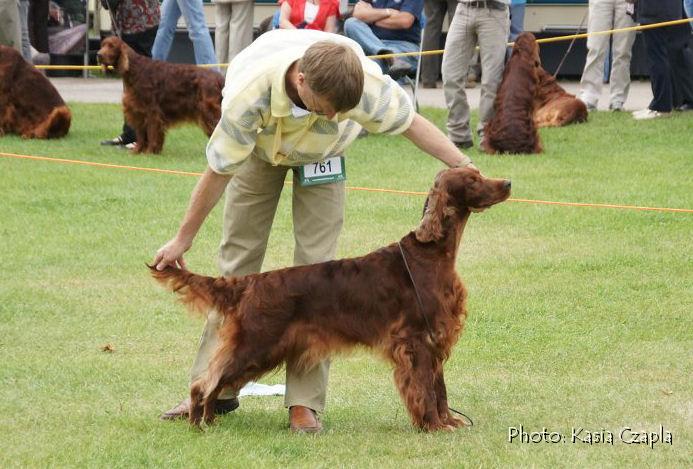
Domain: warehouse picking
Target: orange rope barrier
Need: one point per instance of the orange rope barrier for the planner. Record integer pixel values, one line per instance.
(352, 188)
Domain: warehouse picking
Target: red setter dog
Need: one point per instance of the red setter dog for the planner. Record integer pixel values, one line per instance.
(553, 106)
(158, 95)
(512, 129)
(30, 105)
(404, 301)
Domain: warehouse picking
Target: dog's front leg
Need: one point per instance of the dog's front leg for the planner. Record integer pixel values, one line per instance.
(415, 380)
(442, 399)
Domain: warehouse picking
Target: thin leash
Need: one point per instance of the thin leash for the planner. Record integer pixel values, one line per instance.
(428, 324)
(570, 46)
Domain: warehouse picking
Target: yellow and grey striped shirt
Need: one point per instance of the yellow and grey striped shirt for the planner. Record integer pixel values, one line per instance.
(257, 112)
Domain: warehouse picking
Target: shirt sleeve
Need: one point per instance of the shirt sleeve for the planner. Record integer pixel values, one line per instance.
(384, 107)
(235, 136)
(412, 6)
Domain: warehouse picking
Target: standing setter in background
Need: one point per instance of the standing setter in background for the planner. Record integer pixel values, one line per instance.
(136, 22)
(486, 24)
(603, 16)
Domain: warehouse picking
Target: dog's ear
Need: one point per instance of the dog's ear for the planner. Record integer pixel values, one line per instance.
(431, 227)
(123, 63)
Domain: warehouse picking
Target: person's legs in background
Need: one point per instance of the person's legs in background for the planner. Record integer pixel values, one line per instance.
(493, 28)
(38, 24)
(435, 11)
(601, 18)
(622, 50)
(24, 28)
(194, 15)
(459, 49)
(681, 62)
(657, 45)
(241, 28)
(10, 25)
(170, 12)
(222, 18)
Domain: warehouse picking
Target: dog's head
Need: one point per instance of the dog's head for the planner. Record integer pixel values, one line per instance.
(526, 45)
(458, 191)
(114, 52)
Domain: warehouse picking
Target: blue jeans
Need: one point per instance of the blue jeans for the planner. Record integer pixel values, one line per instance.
(171, 11)
(371, 44)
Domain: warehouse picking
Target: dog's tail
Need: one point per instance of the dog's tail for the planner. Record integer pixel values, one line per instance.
(201, 293)
(55, 125)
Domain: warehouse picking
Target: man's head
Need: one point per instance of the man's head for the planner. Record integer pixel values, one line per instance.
(330, 78)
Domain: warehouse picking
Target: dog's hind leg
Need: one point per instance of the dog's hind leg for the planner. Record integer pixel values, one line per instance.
(197, 396)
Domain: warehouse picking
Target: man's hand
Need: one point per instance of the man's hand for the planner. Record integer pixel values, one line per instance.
(171, 254)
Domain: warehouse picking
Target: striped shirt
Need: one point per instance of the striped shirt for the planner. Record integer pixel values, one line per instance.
(257, 113)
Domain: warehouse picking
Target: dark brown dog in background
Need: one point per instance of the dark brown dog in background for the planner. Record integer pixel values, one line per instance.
(554, 106)
(30, 105)
(301, 315)
(512, 128)
(158, 95)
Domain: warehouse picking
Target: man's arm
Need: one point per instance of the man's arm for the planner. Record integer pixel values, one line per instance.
(204, 197)
(365, 12)
(397, 20)
(430, 139)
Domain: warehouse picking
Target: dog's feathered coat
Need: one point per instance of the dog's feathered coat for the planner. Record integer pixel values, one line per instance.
(301, 315)
(512, 128)
(30, 105)
(554, 106)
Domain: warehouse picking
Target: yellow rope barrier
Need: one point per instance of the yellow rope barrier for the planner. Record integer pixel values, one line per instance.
(352, 188)
(432, 52)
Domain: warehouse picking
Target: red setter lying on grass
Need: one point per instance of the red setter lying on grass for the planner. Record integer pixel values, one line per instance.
(512, 128)
(301, 315)
(30, 105)
(553, 106)
(158, 95)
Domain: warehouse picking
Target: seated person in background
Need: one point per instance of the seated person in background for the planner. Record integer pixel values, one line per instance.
(387, 26)
(309, 14)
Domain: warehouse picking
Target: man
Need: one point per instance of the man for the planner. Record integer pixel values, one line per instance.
(291, 98)
(476, 22)
(387, 26)
(605, 15)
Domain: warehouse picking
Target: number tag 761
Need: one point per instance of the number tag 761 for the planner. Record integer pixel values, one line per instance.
(323, 172)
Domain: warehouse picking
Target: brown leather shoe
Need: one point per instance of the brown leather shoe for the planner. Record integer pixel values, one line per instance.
(303, 420)
(182, 410)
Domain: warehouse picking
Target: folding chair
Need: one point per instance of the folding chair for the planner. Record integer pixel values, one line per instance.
(412, 78)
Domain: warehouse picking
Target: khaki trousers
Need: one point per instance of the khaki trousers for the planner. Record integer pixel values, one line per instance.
(605, 15)
(251, 202)
(10, 25)
(471, 26)
(234, 28)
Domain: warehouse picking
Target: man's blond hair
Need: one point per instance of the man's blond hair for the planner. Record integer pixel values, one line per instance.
(333, 72)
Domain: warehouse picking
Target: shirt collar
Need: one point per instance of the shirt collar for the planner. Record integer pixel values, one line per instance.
(281, 103)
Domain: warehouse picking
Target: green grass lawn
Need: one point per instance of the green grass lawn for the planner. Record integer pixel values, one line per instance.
(579, 317)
